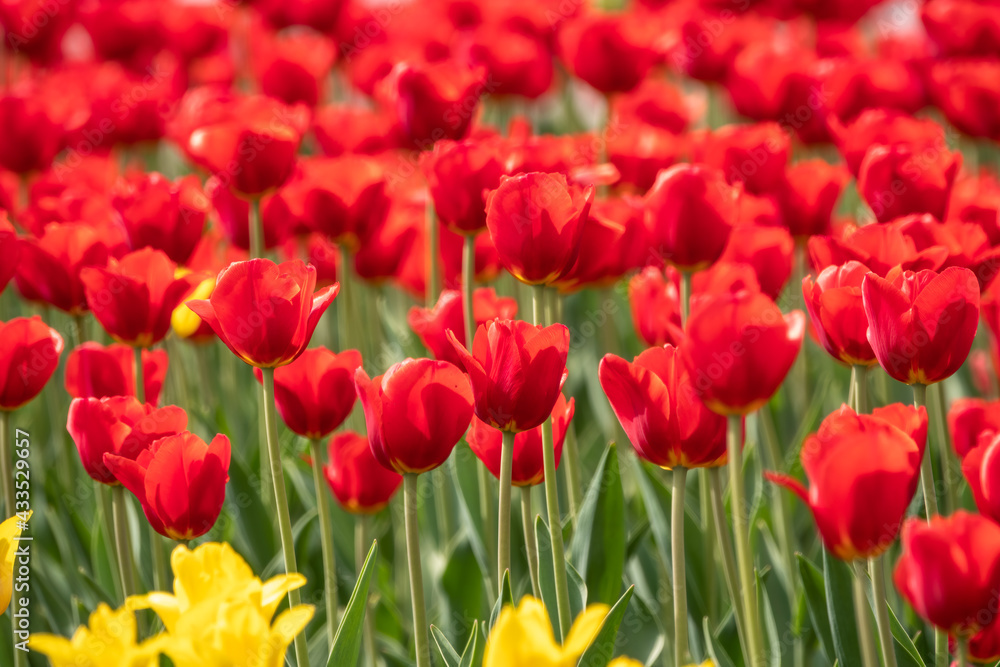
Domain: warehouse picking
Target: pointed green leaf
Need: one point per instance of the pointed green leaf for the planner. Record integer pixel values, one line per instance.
(447, 652)
(506, 598)
(602, 649)
(347, 642)
(546, 579)
(719, 657)
(469, 653)
(837, 581)
(812, 582)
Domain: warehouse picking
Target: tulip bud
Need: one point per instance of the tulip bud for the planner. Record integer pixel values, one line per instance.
(360, 484)
(29, 355)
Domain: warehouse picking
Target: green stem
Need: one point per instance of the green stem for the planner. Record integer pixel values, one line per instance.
(876, 570)
(530, 545)
(679, 478)
(122, 541)
(486, 502)
(256, 229)
(281, 503)
(107, 522)
(468, 286)
(571, 450)
(362, 538)
(728, 560)
(869, 657)
(782, 523)
(433, 272)
(442, 504)
(326, 538)
(708, 538)
(859, 378)
(503, 514)
(744, 558)
(6, 464)
(344, 297)
(944, 447)
(685, 296)
(140, 382)
(416, 572)
(963, 651)
(161, 568)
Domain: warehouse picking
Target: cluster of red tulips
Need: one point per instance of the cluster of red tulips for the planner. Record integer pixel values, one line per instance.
(781, 192)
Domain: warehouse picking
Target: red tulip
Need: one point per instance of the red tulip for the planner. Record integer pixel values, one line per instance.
(968, 420)
(40, 41)
(95, 371)
(968, 94)
(767, 249)
(459, 175)
(962, 27)
(655, 102)
(50, 266)
(612, 243)
(976, 199)
(950, 570)
(517, 371)
(486, 443)
(134, 297)
(320, 15)
(809, 195)
(339, 129)
(856, 84)
(234, 216)
(119, 425)
(863, 471)
(921, 325)
(292, 67)
(965, 244)
(163, 215)
(518, 61)
(881, 248)
(180, 482)
(611, 52)
(837, 311)
(640, 151)
(415, 413)
(265, 312)
(315, 393)
(359, 483)
(33, 128)
(29, 355)
(656, 308)
(432, 324)
(535, 221)
(684, 193)
(984, 646)
(754, 155)
(900, 180)
(981, 468)
(660, 412)
(885, 127)
(725, 277)
(10, 250)
(738, 349)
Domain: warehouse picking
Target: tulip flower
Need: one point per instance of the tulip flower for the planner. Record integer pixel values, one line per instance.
(949, 570)
(640, 151)
(459, 175)
(518, 61)
(34, 128)
(984, 646)
(522, 635)
(163, 215)
(115, 631)
(753, 155)
(179, 481)
(885, 127)
(234, 216)
(837, 311)
(95, 371)
(265, 312)
(809, 195)
(292, 67)
(134, 297)
(900, 180)
(535, 221)
(10, 250)
(50, 266)
(968, 420)
(315, 393)
(725, 277)
(880, 247)
(612, 243)
(608, 51)
(432, 324)
(921, 324)
(688, 192)
(961, 27)
(10, 531)
(359, 483)
(655, 305)
(29, 355)
(863, 471)
(967, 94)
(768, 250)
(966, 244)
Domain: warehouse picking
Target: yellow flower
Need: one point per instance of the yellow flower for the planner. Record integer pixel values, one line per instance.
(183, 320)
(523, 636)
(10, 530)
(109, 641)
(624, 662)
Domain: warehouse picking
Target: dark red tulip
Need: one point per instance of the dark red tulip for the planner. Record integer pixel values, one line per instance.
(809, 195)
(950, 569)
(320, 15)
(885, 127)
(662, 414)
(984, 646)
(655, 304)
(921, 325)
(970, 418)
(837, 311)
(129, 32)
(768, 250)
(738, 349)
(163, 215)
(265, 312)
(863, 471)
(528, 470)
(315, 393)
(339, 129)
(611, 52)
(359, 483)
(134, 297)
(856, 84)
(95, 371)
(432, 324)
(517, 371)
(29, 355)
(901, 180)
(688, 192)
(119, 425)
(34, 128)
(10, 250)
(415, 413)
(179, 481)
(292, 67)
(519, 62)
(535, 221)
(39, 40)
(969, 95)
(655, 102)
(754, 155)
(50, 265)
(962, 27)
(881, 248)
(460, 175)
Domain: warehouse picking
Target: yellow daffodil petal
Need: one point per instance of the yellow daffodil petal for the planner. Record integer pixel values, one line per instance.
(276, 588)
(523, 636)
(288, 624)
(585, 629)
(210, 570)
(109, 640)
(625, 662)
(183, 320)
(166, 606)
(10, 530)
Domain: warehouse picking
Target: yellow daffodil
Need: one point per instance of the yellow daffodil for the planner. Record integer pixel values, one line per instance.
(108, 641)
(523, 636)
(183, 320)
(10, 530)
(629, 662)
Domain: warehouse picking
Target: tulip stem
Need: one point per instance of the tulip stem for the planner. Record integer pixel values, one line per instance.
(726, 547)
(433, 279)
(362, 538)
(859, 380)
(468, 279)
(744, 558)
(685, 296)
(876, 570)
(344, 297)
(869, 657)
(679, 479)
(503, 521)
(122, 542)
(107, 520)
(161, 571)
(140, 381)
(530, 545)
(281, 503)
(326, 539)
(941, 435)
(6, 464)
(963, 651)
(571, 454)
(256, 229)
(416, 571)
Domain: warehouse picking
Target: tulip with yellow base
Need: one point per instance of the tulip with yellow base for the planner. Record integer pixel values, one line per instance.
(109, 640)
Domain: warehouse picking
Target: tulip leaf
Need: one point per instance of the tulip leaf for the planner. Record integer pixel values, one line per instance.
(904, 641)
(469, 652)
(506, 598)
(546, 579)
(598, 547)
(449, 656)
(347, 642)
(602, 649)
(840, 608)
(715, 651)
(812, 582)
(766, 612)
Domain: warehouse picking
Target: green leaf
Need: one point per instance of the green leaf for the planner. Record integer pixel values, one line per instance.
(774, 651)
(546, 579)
(645, 639)
(347, 642)
(904, 642)
(840, 609)
(506, 598)
(469, 653)
(719, 657)
(812, 582)
(447, 652)
(602, 649)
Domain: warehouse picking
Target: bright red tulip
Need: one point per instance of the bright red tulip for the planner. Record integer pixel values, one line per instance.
(950, 570)
(29, 355)
(40, 41)
(968, 93)
(863, 471)
(180, 482)
(432, 324)
(921, 325)
(535, 221)
(415, 413)
(901, 180)
(234, 216)
(662, 414)
(340, 129)
(976, 199)
(95, 371)
(359, 483)
(163, 215)
(611, 52)
(856, 84)
(725, 277)
(969, 419)
(119, 425)
(885, 127)
(517, 371)
(134, 297)
(966, 244)
(755, 155)
(684, 193)
(265, 312)
(981, 468)
(639, 152)
(518, 61)
(10, 250)
(315, 393)
(292, 67)
(880, 247)
(33, 128)
(460, 175)
(837, 311)
(612, 243)
(50, 265)
(738, 349)
(486, 443)
(984, 646)
(655, 102)
(809, 195)
(767, 249)
(962, 27)
(656, 307)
